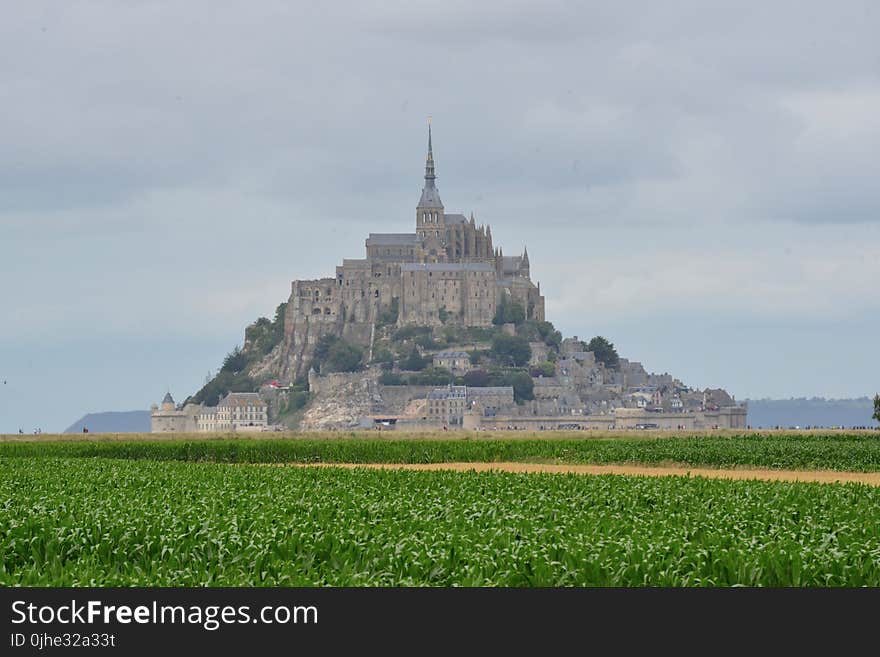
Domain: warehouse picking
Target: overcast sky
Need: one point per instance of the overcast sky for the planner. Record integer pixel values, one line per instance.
(697, 181)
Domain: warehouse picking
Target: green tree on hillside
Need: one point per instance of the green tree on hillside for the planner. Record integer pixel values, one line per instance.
(297, 399)
(500, 310)
(260, 338)
(877, 407)
(523, 386)
(509, 312)
(515, 313)
(223, 383)
(604, 351)
(334, 354)
(389, 378)
(431, 376)
(344, 357)
(544, 369)
(414, 362)
(388, 316)
(410, 332)
(264, 334)
(383, 357)
(512, 349)
(235, 361)
(322, 348)
(476, 379)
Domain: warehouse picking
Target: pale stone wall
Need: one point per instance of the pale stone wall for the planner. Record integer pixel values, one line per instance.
(565, 404)
(549, 387)
(396, 398)
(539, 353)
(479, 302)
(468, 296)
(733, 417)
(171, 420)
(539, 423)
(491, 399)
(456, 362)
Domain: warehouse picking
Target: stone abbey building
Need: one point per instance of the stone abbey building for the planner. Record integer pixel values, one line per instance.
(448, 270)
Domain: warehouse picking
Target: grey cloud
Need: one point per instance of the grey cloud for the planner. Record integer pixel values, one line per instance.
(302, 101)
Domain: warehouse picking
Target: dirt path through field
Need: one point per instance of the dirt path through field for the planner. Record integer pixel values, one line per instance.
(821, 476)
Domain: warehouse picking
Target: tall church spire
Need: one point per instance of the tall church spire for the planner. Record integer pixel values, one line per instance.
(430, 195)
(429, 161)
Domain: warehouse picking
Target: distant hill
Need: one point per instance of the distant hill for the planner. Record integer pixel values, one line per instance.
(112, 422)
(814, 412)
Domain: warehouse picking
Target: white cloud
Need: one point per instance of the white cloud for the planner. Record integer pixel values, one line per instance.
(795, 273)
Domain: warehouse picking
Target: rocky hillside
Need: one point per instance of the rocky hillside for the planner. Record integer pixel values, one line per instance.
(349, 381)
(340, 400)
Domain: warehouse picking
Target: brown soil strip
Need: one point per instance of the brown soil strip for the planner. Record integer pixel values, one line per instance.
(821, 476)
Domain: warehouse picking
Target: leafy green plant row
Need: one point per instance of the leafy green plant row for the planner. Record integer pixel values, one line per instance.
(806, 452)
(68, 522)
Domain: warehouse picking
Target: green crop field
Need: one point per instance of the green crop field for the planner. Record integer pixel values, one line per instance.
(804, 451)
(97, 521)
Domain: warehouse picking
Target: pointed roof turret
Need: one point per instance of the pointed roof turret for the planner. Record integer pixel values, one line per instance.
(525, 257)
(168, 398)
(430, 196)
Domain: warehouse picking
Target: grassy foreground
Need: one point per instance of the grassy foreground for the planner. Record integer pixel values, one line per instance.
(857, 452)
(114, 522)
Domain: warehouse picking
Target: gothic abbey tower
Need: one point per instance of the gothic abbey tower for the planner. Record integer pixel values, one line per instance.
(447, 271)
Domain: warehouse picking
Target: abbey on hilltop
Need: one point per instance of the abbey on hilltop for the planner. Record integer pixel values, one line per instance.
(434, 329)
(447, 271)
